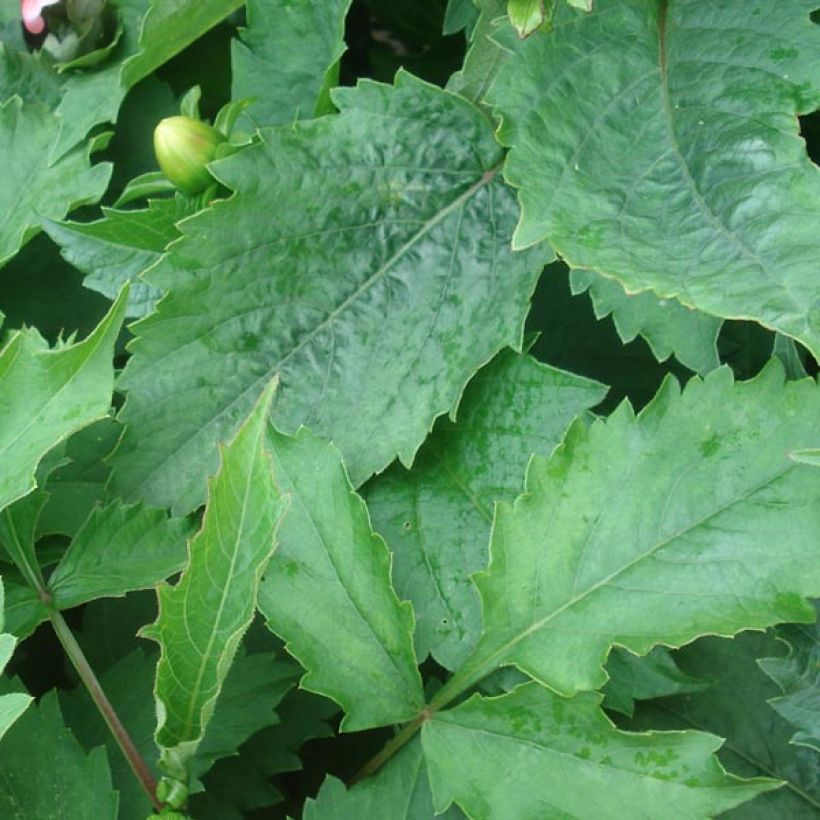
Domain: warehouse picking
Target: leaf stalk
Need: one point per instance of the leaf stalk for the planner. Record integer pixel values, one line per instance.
(109, 715)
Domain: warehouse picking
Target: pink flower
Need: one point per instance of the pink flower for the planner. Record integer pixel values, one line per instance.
(30, 10)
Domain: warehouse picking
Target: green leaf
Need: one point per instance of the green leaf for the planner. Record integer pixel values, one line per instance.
(736, 708)
(168, 27)
(243, 782)
(23, 609)
(46, 773)
(667, 325)
(798, 677)
(28, 76)
(634, 524)
(257, 682)
(677, 167)
(484, 56)
(120, 246)
(282, 58)
(634, 678)
(254, 687)
(202, 619)
(437, 517)
(33, 187)
(12, 704)
(148, 184)
(40, 289)
(119, 549)
(460, 15)
(45, 395)
(304, 717)
(152, 34)
(387, 216)
(786, 350)
(563, 758)
(18, 525)
(93, 97)
(128, 685)
(399, 791)
(77, 486)
(570, 337)
(328, 591)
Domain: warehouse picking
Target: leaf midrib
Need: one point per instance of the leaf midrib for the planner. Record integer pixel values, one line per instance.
(225, 589)
(392, 658)
(484, 179)
(729, 744)
(697, 197)
(475, 671)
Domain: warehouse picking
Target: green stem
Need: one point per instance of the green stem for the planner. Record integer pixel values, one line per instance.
(86, 673)
(391, 747)
(459, 683)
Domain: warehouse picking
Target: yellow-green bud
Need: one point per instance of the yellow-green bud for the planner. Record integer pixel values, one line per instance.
(183, 147)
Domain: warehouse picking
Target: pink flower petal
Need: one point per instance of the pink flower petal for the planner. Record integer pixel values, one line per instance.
(30, 12)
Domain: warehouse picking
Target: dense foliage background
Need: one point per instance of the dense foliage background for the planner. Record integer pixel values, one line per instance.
(454, 453)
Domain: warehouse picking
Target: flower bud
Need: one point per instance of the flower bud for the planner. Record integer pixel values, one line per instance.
(183, 147)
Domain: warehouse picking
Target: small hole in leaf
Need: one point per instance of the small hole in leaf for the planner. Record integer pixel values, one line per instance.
(407, 525)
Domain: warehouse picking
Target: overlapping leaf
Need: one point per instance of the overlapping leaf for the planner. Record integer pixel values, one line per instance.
(76, 486)
(633, 677)
(328, 591)
(117, 248)
(253, 688)
(655, 529)
(484, 56)
(243, 782)
(798, 677)
(436, 517)
(168, 27)
(12, 704)
(534, 754)
(735, 707)
(667, 325)
(365, 258)
(400, 791)
(119, 549)
(33, 187)
(202, 619)
(460, 15)
(45, 395)
(286, 57)
(44, 164)
(657, 143)
(69, 784)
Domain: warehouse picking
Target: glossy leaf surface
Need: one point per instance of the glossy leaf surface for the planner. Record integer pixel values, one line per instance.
(283, 58)
(677, 167)
(388, 212)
